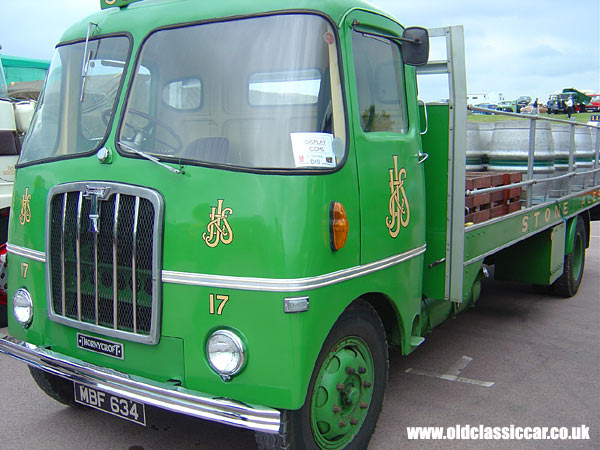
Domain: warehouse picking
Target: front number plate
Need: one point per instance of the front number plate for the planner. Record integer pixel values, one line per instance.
(112, 404)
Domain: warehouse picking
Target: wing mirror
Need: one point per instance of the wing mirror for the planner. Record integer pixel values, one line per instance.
(415, 46)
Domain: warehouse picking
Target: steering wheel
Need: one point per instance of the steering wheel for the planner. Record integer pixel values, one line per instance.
(106, 116)
(145, 134)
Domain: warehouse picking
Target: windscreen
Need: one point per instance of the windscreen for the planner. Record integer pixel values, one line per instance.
(78, 99)
(260, 92)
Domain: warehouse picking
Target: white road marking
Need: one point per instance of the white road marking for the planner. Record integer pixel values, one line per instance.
(459, 366)
(453, 373)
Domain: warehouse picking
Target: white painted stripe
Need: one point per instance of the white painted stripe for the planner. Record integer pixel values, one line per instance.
(459, 366)
(453, 373)
(448, 377)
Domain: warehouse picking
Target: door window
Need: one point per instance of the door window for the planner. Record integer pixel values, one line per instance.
(380, 84)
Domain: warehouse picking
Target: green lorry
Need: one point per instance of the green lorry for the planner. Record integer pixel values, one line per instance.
(557, 103)
(233, 210)
(18, 69)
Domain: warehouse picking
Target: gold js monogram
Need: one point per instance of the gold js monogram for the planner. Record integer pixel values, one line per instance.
(25, 216)
(218, 229)
(399, 208)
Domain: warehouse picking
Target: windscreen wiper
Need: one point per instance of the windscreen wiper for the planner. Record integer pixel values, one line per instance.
(154, 159)
(86, 59)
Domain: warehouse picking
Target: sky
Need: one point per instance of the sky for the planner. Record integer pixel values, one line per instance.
(513, 47)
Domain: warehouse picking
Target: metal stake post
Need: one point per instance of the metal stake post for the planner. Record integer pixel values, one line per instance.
(530, 160)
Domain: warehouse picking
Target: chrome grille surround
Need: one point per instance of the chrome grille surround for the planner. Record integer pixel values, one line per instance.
(102, 239)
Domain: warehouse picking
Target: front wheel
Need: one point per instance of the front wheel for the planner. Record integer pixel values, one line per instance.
(568, 283)
(346, 390)
(54, 386)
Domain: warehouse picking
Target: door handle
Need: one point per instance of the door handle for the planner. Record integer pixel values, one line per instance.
(421, 102)
(422, 157)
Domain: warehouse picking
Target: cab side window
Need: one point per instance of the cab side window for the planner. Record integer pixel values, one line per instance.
(380, 84)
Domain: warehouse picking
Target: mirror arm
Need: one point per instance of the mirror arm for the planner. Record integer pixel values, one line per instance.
(356, 23)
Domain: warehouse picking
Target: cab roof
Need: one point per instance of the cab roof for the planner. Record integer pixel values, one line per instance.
(140, 17)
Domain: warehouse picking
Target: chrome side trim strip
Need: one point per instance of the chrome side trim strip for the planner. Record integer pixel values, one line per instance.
(161, 395)
(26, 252)
(263, 284)
(287, 284)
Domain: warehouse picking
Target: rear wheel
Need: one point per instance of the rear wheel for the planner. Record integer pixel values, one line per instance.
(56, 387)
(568, 284)
(3, 285)
(346, 389)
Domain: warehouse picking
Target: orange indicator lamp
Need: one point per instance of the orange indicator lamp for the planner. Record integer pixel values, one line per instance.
(338, 226)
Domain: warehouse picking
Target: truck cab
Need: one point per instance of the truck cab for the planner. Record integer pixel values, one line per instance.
(208, 191)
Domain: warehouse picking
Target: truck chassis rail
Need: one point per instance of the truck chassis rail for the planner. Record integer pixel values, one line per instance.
(172, 398)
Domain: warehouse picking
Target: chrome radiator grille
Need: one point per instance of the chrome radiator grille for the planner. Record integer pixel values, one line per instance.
(104, 242)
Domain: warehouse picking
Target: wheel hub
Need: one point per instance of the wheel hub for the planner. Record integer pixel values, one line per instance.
(342, 393)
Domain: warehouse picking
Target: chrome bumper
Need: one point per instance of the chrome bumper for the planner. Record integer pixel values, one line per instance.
(172, 398)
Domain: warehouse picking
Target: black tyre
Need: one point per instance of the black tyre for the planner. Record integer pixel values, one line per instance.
(56, 387)
(568, 284)
(345, 394)
(3, 285)
(3, 315)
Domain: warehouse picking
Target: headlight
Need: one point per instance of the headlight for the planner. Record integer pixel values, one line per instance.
(225, 352)
(23, 307)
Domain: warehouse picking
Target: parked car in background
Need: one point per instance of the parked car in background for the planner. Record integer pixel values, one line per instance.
(594, 105)
(506, 106)
(491, 106)
(530, 109)
(522, 101)
(556, 105)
